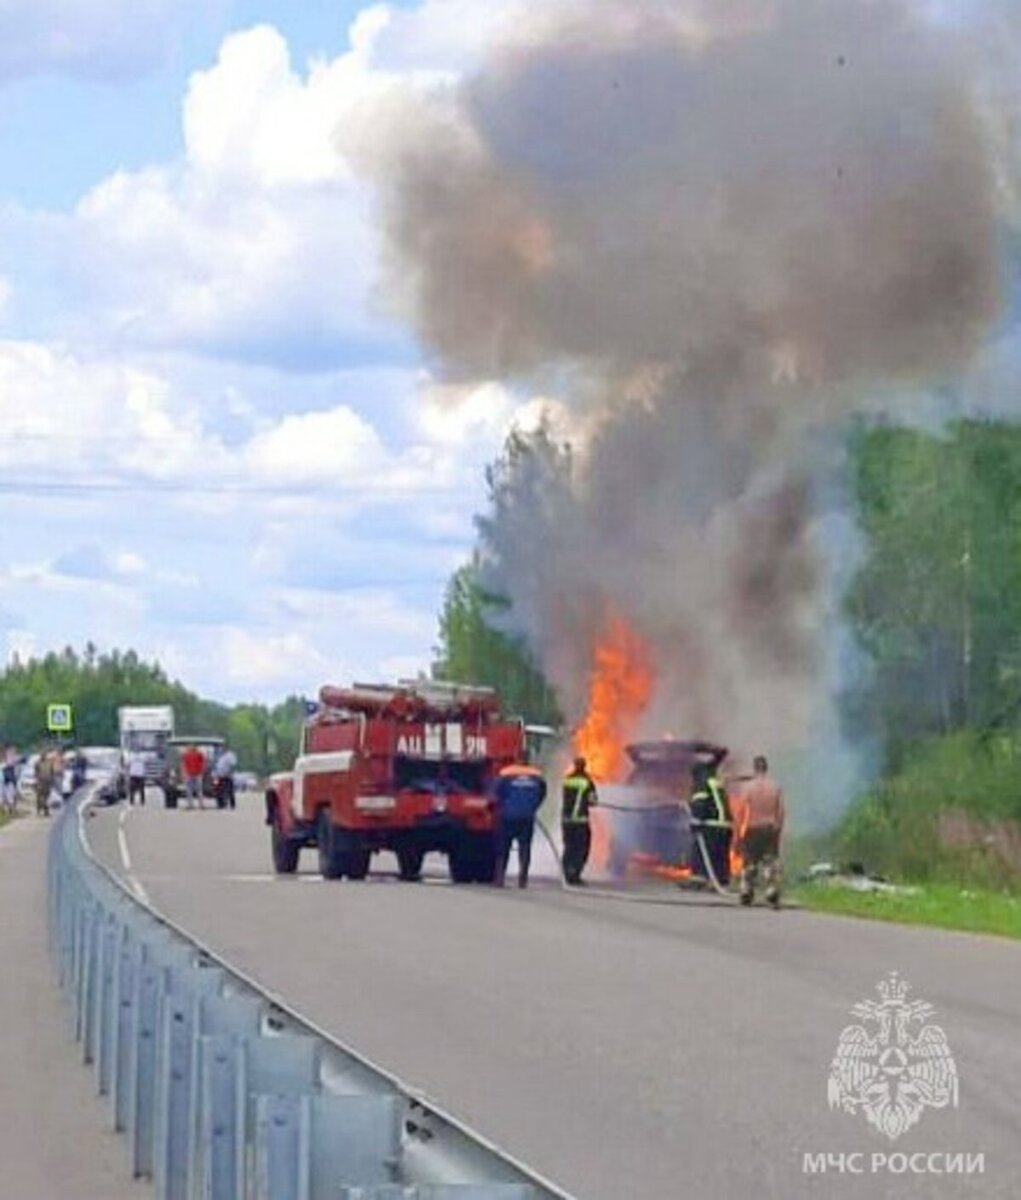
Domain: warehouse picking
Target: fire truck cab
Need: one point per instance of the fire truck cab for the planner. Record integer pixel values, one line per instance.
(405, 768)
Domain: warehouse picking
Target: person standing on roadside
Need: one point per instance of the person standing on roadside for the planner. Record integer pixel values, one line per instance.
(224, 770)
(520, 792)
(579, 798)
(136, 777)
(193, 767)
(9, 791)
(43, 783)
(760, 844)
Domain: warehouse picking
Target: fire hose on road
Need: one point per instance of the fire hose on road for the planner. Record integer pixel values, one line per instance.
(605, 893)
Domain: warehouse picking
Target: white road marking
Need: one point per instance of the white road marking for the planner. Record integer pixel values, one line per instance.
(122, 841)
(273, 879)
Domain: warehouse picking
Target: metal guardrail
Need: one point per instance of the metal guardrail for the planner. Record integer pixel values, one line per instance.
(221, 1091)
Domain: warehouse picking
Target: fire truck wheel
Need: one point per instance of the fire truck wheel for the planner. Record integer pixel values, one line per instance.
(462, 862)
(484, 860)
(356, 862)
(285, 852)
(331, 857)
(409, 863)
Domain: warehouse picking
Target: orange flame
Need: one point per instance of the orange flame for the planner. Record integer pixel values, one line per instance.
(739, 814)
(620, 689)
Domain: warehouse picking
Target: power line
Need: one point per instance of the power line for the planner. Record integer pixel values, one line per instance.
(280, 491)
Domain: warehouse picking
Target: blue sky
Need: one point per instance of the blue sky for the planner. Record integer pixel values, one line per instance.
(216, 446)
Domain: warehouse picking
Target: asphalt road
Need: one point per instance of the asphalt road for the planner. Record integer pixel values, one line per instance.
(649, 1050)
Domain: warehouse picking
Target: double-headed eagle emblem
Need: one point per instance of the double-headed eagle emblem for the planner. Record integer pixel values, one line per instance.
(896, 1068)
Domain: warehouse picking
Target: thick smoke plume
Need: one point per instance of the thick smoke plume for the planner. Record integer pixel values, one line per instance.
(716, 231)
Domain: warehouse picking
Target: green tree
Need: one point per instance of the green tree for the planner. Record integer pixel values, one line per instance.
(473, 651)
(528, 488)
(937, 602)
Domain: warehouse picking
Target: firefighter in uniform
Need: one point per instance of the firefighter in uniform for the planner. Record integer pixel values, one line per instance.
(520, 793)
(579, 797)
(710, 816)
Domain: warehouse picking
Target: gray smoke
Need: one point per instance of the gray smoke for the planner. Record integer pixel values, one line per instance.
(716, 230)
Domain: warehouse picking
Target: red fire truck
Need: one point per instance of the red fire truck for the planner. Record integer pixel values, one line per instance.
(405, 768)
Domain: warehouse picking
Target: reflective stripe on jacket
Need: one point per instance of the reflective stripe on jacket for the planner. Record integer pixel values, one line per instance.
(579, 795)
(709, 806)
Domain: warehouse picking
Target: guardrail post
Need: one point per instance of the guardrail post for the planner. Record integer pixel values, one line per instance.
(178, 1028)
(78, 942)
(221, 1022)
(173, 1100)
(65, 932)
(354, 1140)
(104, 1015)
(150, 984)
(98, 920)
(217, 1169)
(126, 968)
(148, 979)
(282, 1151)
(71, 904)
(88, 977)
(281, 1066)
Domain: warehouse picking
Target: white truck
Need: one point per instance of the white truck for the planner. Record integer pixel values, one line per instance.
(147, 730)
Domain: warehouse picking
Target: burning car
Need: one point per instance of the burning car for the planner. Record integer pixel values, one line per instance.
(645, 821)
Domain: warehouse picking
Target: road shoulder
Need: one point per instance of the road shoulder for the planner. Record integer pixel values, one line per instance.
(55, 1138)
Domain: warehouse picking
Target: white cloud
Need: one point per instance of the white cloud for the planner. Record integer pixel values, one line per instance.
(366, 612)
(91, 418)
(259, 529)
(445, 35)
(260, 661)
(321, 446)
(258, 244)
(452, 415)
(110, 422)
(329, 562)
(253, 118)
(96, 38)
(22, 643)
(127, 562)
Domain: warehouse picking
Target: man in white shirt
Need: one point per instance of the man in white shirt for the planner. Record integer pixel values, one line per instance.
(224, 770)
(136, 777)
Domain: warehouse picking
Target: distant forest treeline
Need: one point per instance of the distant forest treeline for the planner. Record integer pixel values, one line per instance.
(97, 685)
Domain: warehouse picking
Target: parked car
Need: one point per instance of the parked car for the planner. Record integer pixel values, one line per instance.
(103, 766)
(647, 819)
(173, 786)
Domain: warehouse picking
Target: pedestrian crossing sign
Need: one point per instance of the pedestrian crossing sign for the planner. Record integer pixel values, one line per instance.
(59, 718)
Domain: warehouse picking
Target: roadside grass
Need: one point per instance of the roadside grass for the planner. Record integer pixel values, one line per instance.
(946, 906)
